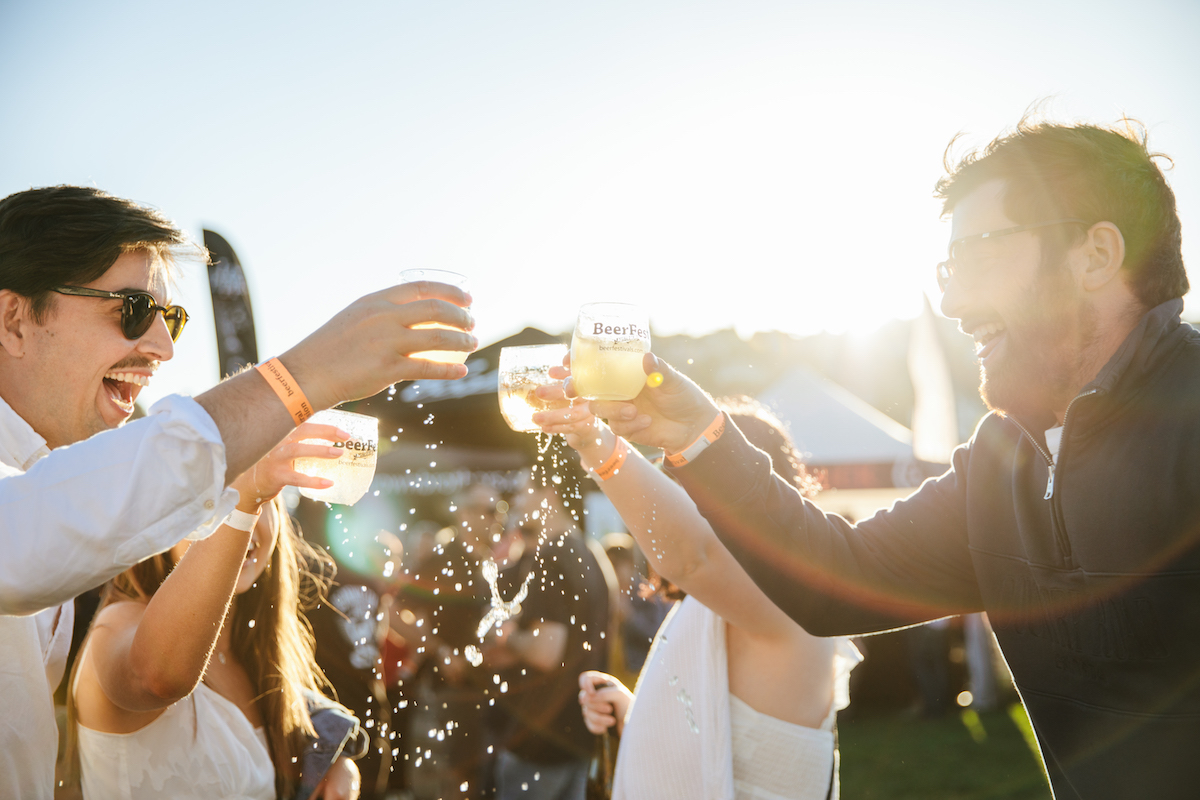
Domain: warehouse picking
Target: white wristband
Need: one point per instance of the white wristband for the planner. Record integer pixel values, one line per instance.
(241, 521)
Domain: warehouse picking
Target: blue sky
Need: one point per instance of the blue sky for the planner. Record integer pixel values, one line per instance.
(763, 165)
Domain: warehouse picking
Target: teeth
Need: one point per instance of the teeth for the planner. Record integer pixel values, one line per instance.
(129, 377)
(987, 331)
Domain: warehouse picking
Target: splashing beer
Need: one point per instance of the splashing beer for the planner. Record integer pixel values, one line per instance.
(606, 351)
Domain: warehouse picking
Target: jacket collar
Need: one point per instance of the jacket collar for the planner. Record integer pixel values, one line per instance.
(1142, 349)
(20, 444)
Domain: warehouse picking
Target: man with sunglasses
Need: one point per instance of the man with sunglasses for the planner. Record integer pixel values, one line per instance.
(1072, 516)
(84, 324)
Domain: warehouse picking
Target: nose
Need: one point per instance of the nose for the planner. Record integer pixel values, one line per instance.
(954, 300)
(156, 342)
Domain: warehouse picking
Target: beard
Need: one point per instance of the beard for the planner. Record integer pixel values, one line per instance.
(1034, 373)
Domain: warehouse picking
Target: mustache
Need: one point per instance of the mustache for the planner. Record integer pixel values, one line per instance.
(136, 361)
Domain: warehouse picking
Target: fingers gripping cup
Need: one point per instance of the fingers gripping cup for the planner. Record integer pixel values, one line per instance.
(522, 371)
(438, 276)
(606, 351)
(352, 472)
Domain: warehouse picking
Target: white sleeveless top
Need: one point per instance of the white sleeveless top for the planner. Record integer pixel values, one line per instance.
(200, 747)
(686, 737)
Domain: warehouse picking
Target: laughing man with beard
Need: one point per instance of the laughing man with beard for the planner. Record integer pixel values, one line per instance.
(85, 321)
(1072, 516)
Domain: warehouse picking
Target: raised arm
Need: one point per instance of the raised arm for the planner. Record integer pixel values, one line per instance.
(361, 351)
(143, 656)
(903, 566)
(678, 542)
(86, 512)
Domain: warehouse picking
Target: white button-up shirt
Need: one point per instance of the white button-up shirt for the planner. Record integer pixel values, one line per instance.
(69, 521)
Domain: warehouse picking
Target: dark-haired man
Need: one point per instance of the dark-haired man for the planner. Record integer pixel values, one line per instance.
(1072, 516)
(84, 323)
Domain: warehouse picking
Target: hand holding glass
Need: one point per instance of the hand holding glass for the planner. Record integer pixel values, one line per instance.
(352, 472)
(437, 276)
(522, 371)
(606, 351)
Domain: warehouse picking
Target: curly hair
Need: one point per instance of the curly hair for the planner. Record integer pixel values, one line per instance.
(1088, 172)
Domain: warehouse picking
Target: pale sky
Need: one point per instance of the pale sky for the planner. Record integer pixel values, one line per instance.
(762, 165)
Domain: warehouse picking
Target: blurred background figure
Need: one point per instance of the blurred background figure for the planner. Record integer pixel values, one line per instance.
(562, 630)
(436, 611)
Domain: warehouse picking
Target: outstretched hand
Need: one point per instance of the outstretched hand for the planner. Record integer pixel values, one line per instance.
(670, 416)
(261, 483)
(368, 345)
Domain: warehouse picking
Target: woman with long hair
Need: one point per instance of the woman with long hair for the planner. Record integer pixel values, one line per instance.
(197, 675)
(735, 699)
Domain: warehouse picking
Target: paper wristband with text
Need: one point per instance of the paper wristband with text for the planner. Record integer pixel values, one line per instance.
(241, 520)
(613, 465)
(689, 453)
(287, 389)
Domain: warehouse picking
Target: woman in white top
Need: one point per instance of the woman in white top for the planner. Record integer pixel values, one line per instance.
(191, 682)
(735, 700)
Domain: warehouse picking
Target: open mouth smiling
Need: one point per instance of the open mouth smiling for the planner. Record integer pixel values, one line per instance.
(123, 388)
(986, 337)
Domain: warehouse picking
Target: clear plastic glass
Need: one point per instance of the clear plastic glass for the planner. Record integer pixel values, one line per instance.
(606, 351)
(522, 371)
(438, 276)
(352, 472)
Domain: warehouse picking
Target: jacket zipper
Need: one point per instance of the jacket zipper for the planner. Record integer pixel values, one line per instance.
(1055, 516)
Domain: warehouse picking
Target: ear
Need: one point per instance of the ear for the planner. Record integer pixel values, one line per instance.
(14, 322)
(1103, 255)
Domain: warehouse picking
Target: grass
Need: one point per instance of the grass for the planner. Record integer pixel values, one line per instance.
(965, 756)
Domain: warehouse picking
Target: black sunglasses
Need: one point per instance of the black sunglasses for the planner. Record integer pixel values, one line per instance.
(959, 264)
(137, 310)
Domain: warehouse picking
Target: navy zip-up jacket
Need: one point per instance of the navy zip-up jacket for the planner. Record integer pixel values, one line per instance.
(1089, 570)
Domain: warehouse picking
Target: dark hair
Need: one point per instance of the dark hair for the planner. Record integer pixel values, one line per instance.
(270, 637)
(1086, 172)
(72, 235)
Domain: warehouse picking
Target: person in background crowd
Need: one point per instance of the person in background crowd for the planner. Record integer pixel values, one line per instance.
(85, 322)
(735, 700)
(562, 629)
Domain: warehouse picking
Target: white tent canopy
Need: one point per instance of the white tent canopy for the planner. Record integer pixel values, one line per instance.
(831, 426)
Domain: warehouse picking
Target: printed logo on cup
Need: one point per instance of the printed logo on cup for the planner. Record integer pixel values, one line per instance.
(358, 449)
(619, 331)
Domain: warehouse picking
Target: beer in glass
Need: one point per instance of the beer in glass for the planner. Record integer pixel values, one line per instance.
(352, 472)
(437, 276)
(606, 351)
(522, 371)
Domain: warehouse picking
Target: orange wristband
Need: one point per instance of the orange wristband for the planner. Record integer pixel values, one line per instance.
(689, 453)
(613, 465)
(286, 388)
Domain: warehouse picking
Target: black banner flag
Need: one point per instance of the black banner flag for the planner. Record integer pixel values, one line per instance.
(234, 317)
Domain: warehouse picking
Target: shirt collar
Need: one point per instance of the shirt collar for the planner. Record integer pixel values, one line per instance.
(20, 444)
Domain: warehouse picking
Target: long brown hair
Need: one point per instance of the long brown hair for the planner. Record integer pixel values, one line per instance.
(270, 637)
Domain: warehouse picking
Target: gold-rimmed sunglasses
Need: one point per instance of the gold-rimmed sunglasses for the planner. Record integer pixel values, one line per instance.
(137, 310)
